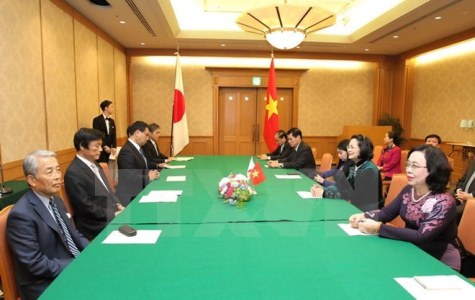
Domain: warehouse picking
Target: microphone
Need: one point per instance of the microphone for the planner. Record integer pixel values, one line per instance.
(3, 189)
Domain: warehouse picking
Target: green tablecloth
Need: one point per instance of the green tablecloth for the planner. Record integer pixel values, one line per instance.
(273, 260)
(20, 187)
(276, 199)
(278, 247)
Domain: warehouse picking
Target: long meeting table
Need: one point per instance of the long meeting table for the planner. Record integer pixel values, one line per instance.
(279, 246)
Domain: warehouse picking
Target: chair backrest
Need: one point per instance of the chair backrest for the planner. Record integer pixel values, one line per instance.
(107, 172)
(67, 202)
(314, 152)
(7, 270)
(404, 156)
(326, 163)
(378, 149)
(467, 225)
(398, 182)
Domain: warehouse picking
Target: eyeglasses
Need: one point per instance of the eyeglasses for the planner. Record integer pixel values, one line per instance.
(413, 166)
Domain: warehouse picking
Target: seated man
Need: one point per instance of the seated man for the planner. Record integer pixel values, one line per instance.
(87, 186)
(134, 172)
(465, 189)
(40, 235)
(152, 151)
(435, 140)
(282, 150)
(301, 157)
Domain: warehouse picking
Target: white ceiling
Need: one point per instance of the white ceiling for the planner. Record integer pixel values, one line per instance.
(154, 23)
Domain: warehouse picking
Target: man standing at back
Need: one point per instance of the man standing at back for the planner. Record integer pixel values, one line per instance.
(87, 186)
(40, 235)
(106, 124)
(134, 173)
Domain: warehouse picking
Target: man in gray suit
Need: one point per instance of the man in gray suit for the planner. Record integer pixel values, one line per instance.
(40, 235)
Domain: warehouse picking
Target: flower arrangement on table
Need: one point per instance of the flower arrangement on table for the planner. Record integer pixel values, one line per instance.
(235, 189)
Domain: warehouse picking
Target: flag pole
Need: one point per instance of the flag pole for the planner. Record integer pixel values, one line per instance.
(173, 108)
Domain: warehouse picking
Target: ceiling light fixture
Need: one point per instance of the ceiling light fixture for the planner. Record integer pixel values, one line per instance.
(285, 26)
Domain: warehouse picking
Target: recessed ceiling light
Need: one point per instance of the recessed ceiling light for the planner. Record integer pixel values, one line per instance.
(367, 49)
(122, 22)
(223, 45)
(395, 36)
(102, 3)
(438, 18)
(142, 43)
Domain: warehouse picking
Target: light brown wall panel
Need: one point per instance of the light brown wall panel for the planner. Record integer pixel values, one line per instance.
(331, 98)
(59, 74)
(120, 88)
(105, 61)
(444, 94)
(22, 102)
(152, 93)
(86, 74)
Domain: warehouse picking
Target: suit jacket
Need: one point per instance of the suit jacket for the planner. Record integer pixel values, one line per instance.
(463, 181)
(154, 156)
(109, 140)
(133, 173)
(94, 206)
(302, 160)
(280, 153)
(362, 186)
(38, 250)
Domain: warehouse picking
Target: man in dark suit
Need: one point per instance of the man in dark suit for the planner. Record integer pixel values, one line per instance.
(134, 172)
(40, 235)
(282, 150)
(106, 124)
(465, 189)
(87, 186)
(152, 151)
(301, 157)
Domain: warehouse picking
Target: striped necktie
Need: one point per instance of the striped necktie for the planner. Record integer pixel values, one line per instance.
(69, 240)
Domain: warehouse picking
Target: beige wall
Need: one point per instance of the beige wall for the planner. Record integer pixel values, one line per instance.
(328, 98)
(444, 94)
(152, 93)
(54, 72)
(331, 98)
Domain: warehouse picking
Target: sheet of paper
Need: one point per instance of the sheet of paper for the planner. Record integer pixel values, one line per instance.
(419, 292)
(307, 195)
(142, 237)
(167, 166)
(176, 178)
(440, 282)
(159, 196)
(288, 176)
(352, 231)
(154, 193)
(183, 158)
(113, 157)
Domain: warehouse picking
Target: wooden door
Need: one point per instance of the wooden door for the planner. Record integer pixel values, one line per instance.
(241, 119)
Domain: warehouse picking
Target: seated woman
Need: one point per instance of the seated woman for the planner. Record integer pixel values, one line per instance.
(342, 163)
(389, 162)
(426, 206)
(361, 183)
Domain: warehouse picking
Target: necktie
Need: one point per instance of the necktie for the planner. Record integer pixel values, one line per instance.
(107, 125)
(98, 175)
(469, 183)
(71, 245)
(143, 155)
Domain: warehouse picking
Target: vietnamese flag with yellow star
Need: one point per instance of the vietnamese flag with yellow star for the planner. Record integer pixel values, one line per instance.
(255, 172)
(271, 121)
